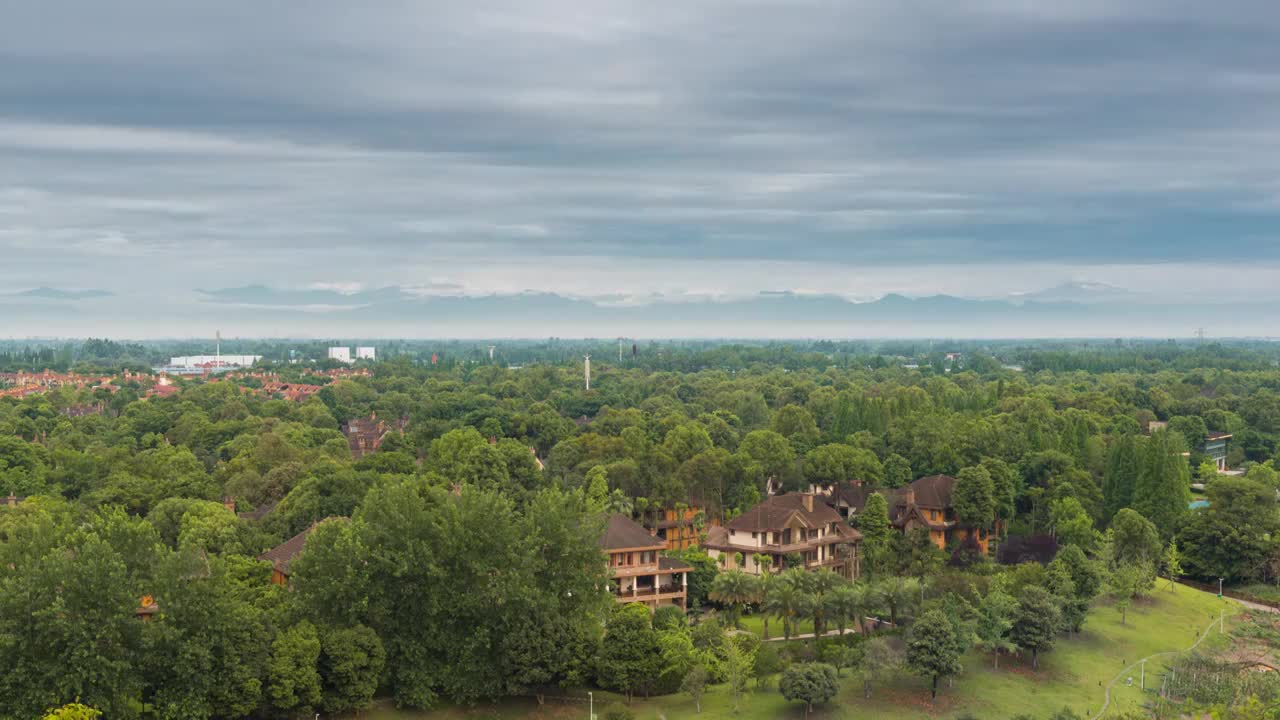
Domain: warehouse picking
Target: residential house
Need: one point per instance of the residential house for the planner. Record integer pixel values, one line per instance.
(283, 555)
(926, 503)
(678, 527)
(641, 573)
(365, 435)
(796, 524)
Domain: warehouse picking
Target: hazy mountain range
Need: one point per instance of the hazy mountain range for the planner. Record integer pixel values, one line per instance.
(1073, 310)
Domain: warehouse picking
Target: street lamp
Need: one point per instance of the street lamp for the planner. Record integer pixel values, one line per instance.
(591, 705)
(1219, 587)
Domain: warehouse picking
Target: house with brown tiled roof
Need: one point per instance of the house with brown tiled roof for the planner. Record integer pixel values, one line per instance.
(283, 555)
(927, 503)
(640, 572)
(259, 512)
(364, 435)
(796, 524)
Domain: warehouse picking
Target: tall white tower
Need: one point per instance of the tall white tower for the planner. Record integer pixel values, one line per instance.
(586, 369)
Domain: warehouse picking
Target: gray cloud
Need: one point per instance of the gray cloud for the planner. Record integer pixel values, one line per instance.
(491, 145)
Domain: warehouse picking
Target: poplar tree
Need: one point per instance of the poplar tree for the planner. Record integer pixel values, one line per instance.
(873, 523)
(1119, 477)
(1163, 490)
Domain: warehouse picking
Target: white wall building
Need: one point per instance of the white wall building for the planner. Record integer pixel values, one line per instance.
(191, 361)
(364, 353)
(341, 354)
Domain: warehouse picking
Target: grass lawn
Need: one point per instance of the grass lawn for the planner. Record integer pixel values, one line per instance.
(755, 624)
(1072, 675)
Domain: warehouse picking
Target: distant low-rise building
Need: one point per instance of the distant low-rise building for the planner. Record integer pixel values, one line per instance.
(1215, 448)
(212, 361)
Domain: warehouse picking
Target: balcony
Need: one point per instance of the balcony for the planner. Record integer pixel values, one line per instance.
(660, 592)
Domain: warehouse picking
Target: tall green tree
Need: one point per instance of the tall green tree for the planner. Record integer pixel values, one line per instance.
(1036, 625)
(974, 497)
(880, 659)
(1163, 488)
(293, 678)
(877, 536)
(996, 614)
(351, 663)
(629, 656)
(932, 651)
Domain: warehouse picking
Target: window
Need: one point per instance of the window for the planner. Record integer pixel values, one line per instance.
(753, 535)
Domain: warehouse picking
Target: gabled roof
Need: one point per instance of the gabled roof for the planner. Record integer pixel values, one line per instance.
(259, 512)
(777, 511)
(622, 532)
(933, 491)
(282, 555)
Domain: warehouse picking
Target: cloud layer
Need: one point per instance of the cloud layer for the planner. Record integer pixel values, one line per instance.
(629, 152)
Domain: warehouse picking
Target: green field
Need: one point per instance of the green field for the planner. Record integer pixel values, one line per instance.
(1073, 675)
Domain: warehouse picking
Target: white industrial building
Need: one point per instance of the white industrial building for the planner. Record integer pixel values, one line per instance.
(341, 354)
(364, 353)
(195, 361)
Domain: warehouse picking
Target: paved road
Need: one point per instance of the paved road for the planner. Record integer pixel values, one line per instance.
(809, 636)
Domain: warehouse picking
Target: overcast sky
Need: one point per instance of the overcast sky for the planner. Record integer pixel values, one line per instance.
(642, 150)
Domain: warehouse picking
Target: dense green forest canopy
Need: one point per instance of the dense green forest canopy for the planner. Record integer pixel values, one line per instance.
(459, 561)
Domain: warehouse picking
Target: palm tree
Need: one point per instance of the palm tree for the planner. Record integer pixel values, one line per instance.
(864, 602)
(734, 589)
(764, 589)
(786, 600)
(619, 502)
(847, 603)
(820, 584)
(898, 594)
